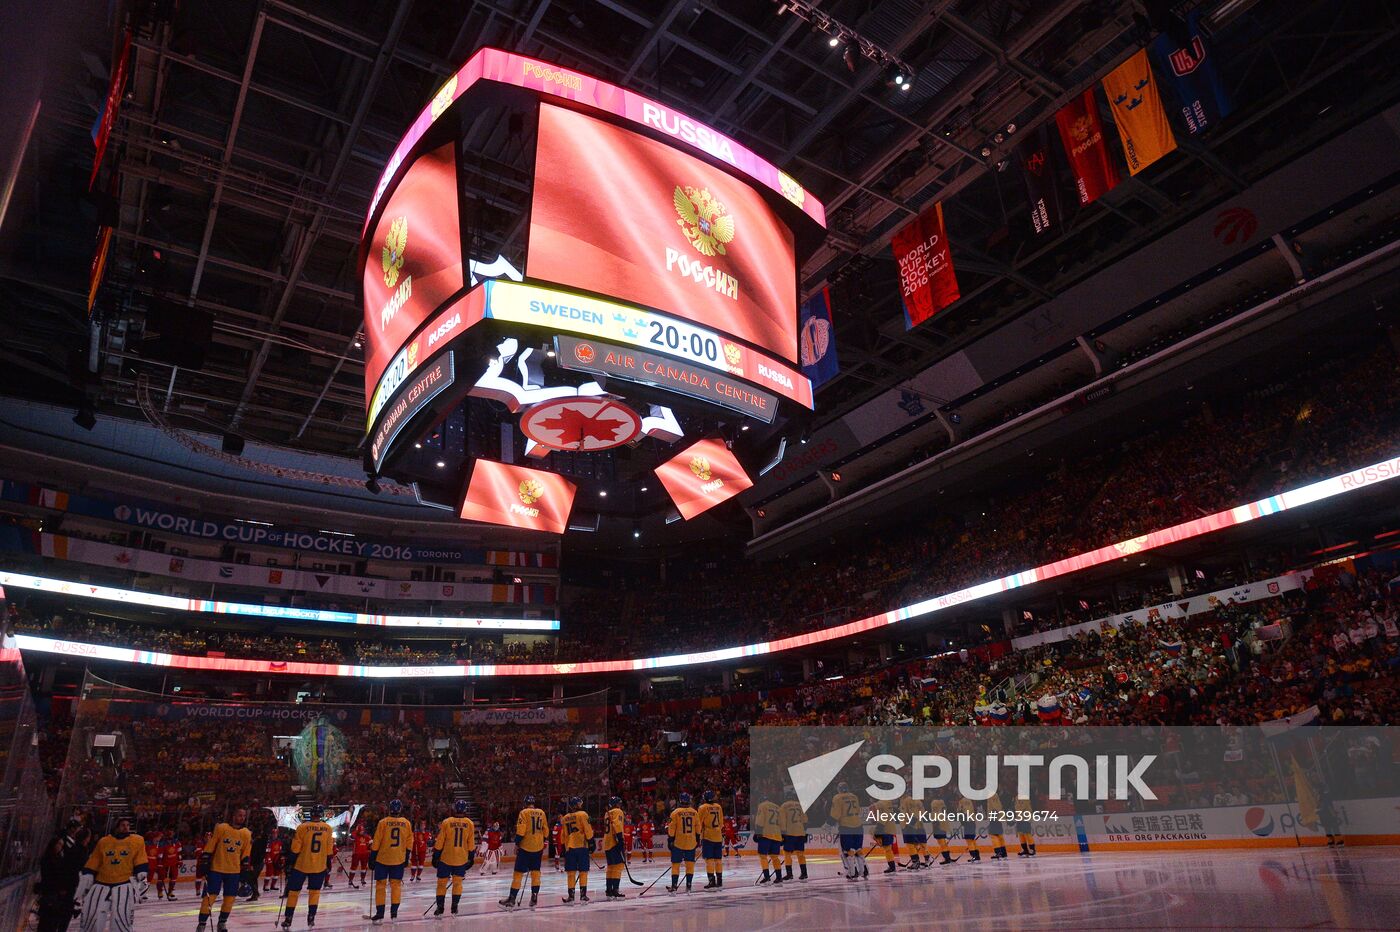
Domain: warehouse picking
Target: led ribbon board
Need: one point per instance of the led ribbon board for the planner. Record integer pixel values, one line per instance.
(1346, 483)
(599, 358)
(289, 613)
(558, 82)
(629, 325)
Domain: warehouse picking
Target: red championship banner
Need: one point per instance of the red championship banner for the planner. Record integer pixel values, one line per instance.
(102, 132)
(1081, 131)
(518, 497)
(927, 283)
(414, 262)
(702, 476)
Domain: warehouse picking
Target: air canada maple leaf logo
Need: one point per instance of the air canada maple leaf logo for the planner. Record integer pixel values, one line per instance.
(395, 244)
(530, 491)
(701, 467)
(703, 220)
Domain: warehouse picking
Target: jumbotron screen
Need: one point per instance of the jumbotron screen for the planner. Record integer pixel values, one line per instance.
(620, 214)
(415, 259)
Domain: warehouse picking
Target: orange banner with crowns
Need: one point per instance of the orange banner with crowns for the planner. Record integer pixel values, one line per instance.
(515, 496)
(1138, 111)
(702, 476)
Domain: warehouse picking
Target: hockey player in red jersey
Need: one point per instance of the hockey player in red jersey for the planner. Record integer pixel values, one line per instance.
(646, 830)
(422, 840)
(359, 857)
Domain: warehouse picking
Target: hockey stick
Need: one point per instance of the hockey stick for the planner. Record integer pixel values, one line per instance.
(349, 877)
(663, 873)
(277, 916)
(604, 867)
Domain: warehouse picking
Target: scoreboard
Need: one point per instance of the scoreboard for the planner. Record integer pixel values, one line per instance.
(660, 260)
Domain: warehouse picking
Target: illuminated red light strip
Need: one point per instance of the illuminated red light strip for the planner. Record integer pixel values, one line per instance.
(1327, 488)
(557, 81)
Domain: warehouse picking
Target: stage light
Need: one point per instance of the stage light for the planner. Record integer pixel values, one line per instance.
(636, 533)
(602, 493)
(834, 41)
(441, 464)
(985, 151)
(358, 344)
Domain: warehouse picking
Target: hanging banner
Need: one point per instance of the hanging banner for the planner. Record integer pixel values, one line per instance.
(816, 339)
(1138, 111)
(102, 132)
(927, 282)
(518, 497)
(702, 476)
(1081, 131)
(98, 266)
(1191, 74)
(1037, 158)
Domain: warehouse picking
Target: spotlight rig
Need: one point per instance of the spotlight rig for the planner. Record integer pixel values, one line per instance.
(896, 72)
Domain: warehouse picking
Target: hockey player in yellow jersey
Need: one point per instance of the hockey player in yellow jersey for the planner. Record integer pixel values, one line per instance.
(389, 849)
(996, 828)
(226, 856)
(971, 821)
(850, 824)
(313, 846)
(104, 886)
(683, 834)
(794, 825)
(614, 848)
(883, 819)
(1025, 827)
(530, 828)
(579, 845)
(915, 831)
(454, 851)
(768, 836)
(711, 816)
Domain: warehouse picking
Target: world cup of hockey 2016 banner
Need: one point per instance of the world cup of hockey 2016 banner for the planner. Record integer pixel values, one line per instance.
(1190, 72)
(1138, 111)
(702, 476)
(1037, 157)
(927, 283)
(518, 497)
(1081, 131)
(816, 339)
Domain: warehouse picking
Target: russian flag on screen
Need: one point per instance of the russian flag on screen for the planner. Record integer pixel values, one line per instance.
(816, 339)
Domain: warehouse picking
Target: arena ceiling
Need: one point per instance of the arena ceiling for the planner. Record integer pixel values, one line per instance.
(255, 131)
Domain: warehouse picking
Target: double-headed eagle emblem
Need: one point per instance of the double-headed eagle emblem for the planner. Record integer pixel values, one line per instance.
(395, 244)
(703, 220)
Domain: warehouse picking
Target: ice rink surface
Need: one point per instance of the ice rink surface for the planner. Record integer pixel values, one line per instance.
(1312, 888)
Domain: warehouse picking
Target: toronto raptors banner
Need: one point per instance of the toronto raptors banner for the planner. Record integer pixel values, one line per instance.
(518, 497)
(816, 341)
(1089, 159)
(927, 283)
(702, 476)
(1192, 75)
(1138, 111)
(1037, 158)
